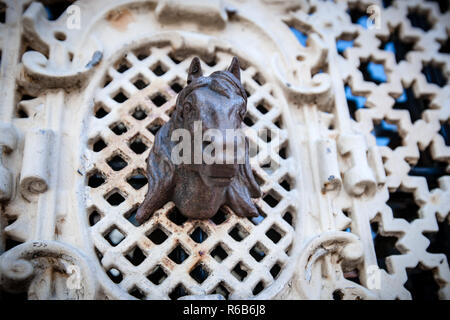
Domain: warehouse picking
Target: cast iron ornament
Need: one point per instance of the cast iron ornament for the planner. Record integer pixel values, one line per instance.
(219, 101)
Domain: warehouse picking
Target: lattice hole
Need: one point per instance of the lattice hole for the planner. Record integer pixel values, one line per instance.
(421, 283)
(257, 220)
(117, 163)
(258, 251)
(174, 58)
(178, 255)
(445, 46)
(176, 87)
(118, 128)
(159, 69)
(433, 73)
(286, 183)
(258, 288)
(123, 66)
(240, 271)
(443, 5)
(270, 166)
(100, 111)
(403, 205)
(158, 236)
(96, 179)
(115, 198)
(219, 218)
(178, 292)
(398, 46)
(238, 233)
(199, 273)
(94, 216)
(158, 99)
(142, 53)
(248, 121)
(344, 41)
(373, 72)
(222, 290)
(384, 246)
(386, 134)
(137, 145)
(155, 126)
(99, 145)
(98, 254)
(139, 113)
(354, 101)
(272, 198)
(107, 80)
(275, 270)
(120, 97)
(198, 235)
(157, 275)
(259, 79)
(275, 233)
(137, 180)
(131, 217)
(279, 123)
(440, 240)
(115, 275)
(445, 132)
(419, 19)
(301, 36)
(137, 293)
(176, 217)
(135, 256)
(263, 106)
(288, 217)
(248, 90)
(414, 105)
(429, 168)
(114, 236)
(358, 15)
(140, 82)
(219, 253)
(56, 9)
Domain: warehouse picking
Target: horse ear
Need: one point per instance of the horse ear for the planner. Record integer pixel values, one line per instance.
(234, 68)
(195, 70)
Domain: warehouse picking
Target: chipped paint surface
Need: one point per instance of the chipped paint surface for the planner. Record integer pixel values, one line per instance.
(119, 19)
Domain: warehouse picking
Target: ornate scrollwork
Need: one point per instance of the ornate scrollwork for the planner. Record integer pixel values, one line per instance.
(30, 266)
(344, 250)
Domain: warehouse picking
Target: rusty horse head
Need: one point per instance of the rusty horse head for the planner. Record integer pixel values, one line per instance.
(199, 189)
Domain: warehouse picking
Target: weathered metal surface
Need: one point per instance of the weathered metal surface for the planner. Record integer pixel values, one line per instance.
(197, 186)
(343, 215)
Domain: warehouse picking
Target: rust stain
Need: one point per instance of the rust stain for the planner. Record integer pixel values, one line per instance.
(120, 19)
(168, 263)
(434, 199)
(146, 244)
